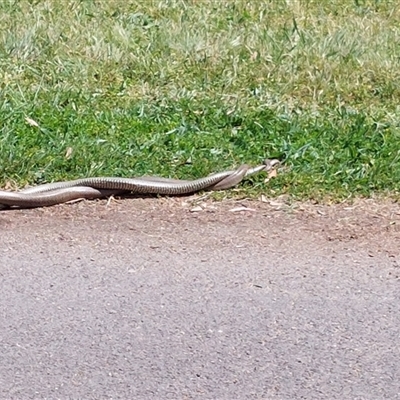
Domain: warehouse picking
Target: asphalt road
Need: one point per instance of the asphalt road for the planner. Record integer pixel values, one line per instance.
(149, 302)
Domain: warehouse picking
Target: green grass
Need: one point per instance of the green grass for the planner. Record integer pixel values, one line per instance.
(185, 88)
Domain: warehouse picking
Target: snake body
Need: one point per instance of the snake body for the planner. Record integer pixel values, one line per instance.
(97, 187)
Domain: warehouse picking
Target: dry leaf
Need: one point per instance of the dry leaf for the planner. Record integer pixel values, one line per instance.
(276, 203)
(254, 56)
(8, 185)
(31, 122)
(68, 153)
(237, 209)
(272, 174)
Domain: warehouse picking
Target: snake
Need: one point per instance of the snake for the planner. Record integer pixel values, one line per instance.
(50, 194)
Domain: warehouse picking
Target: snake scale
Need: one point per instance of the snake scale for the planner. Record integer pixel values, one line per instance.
(92, 188)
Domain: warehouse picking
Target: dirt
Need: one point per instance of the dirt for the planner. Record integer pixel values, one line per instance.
(374, 224)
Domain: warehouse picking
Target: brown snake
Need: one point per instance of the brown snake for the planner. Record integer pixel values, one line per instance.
(92, 188)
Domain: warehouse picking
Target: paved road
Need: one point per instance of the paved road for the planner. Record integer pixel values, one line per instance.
(132, 302)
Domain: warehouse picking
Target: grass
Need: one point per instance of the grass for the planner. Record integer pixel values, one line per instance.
(184, 88)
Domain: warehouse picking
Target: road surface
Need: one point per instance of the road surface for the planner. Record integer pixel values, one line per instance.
(155, 299)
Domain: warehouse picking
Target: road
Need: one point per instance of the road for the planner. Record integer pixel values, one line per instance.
(149, 299)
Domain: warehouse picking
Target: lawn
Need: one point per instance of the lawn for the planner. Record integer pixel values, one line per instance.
(182, 88)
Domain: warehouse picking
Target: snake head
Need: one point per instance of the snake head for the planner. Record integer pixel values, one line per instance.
(271, 163)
